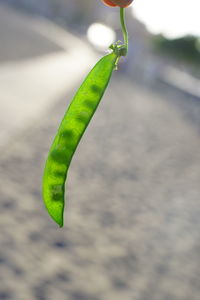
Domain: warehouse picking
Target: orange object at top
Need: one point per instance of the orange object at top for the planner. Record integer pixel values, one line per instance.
(120, 3)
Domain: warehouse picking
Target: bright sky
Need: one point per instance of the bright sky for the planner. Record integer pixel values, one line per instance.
(173, 18)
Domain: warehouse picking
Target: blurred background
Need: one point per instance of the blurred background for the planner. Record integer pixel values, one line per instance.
(132, 219)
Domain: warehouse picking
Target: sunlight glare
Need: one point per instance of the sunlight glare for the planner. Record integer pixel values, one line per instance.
(100, 35)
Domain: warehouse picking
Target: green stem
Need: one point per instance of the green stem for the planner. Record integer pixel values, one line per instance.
(124, 29)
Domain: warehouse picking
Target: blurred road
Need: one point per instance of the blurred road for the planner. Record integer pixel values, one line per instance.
(39, 62)
(132, 221)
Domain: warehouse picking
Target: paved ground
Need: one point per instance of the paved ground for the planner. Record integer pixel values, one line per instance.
(19, 40)
(132, 226)
(38, 63)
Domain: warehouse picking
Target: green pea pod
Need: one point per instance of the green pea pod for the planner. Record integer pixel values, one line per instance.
(71, 129)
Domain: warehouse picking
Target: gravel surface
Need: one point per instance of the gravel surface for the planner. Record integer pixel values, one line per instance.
(132, 225)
